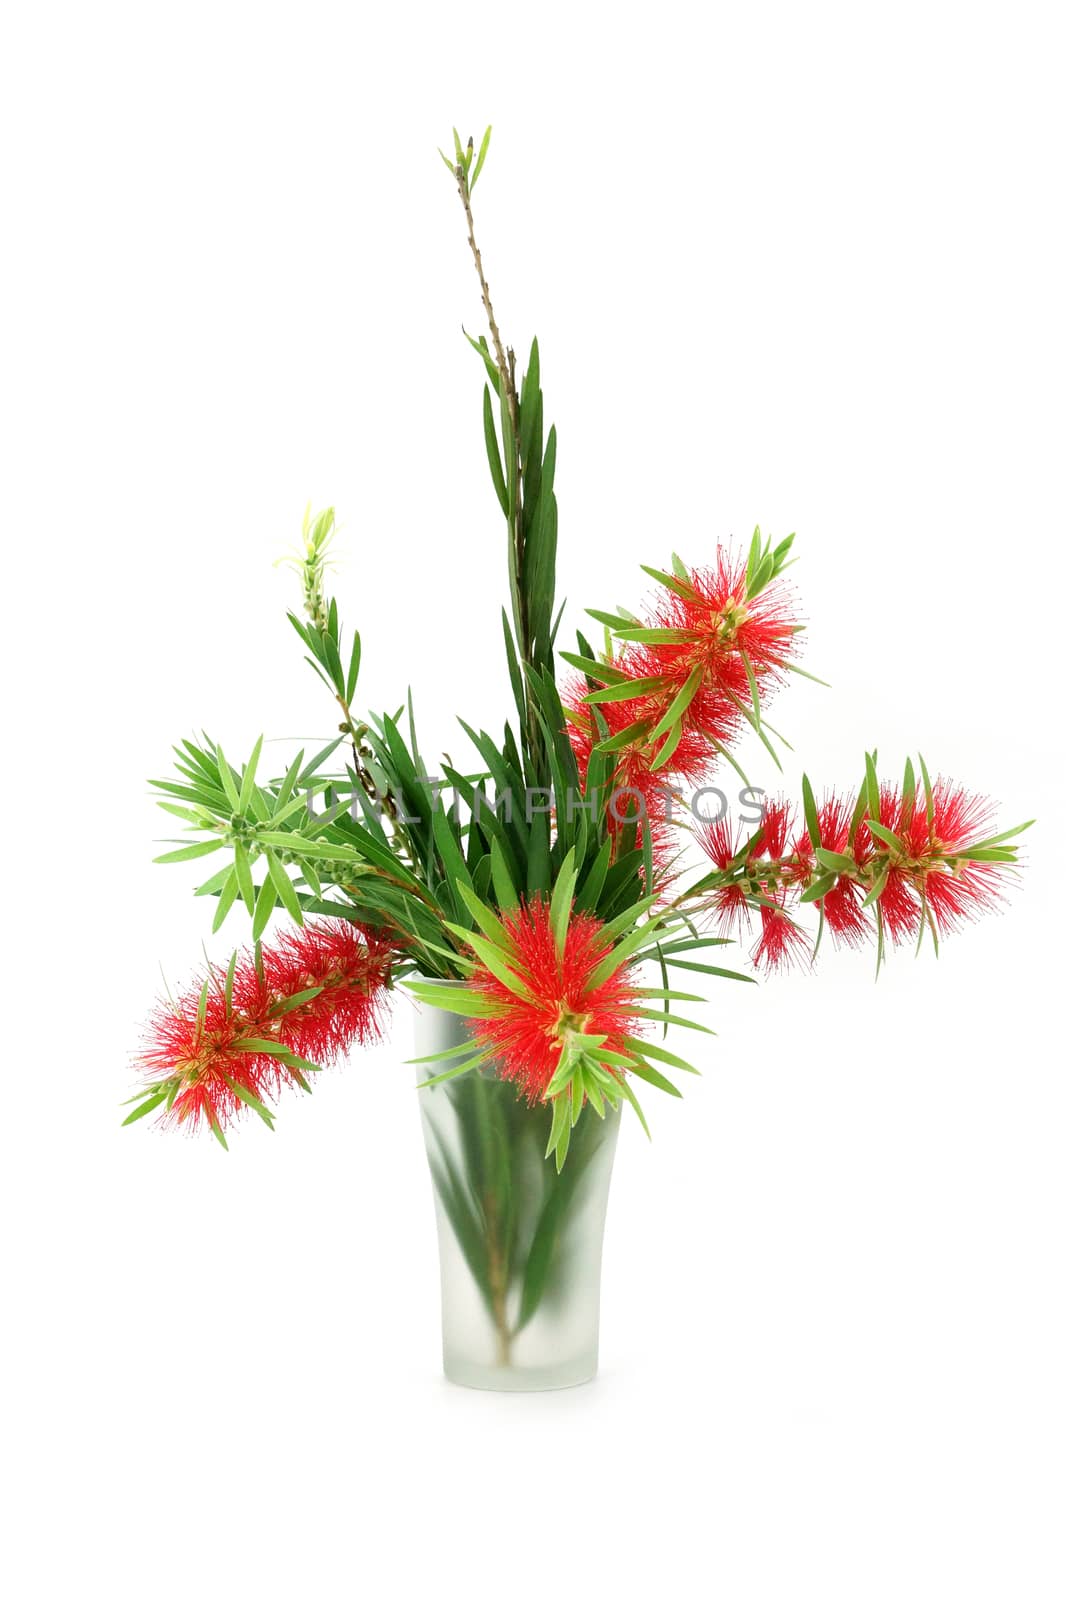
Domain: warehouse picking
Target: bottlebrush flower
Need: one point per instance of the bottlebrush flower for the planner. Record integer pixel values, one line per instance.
(781, 943)
(728, 902)
(235, 1039)
(928, 866)
(842, 904)
(924, 856)
(526, 1032)
(722, 632)
(633, 784)
(687, 673)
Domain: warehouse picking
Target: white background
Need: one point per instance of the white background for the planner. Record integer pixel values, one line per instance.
(788, 265)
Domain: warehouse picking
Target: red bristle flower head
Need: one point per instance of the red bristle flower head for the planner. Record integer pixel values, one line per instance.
(719, 840)
(842, 905)
(844, 916)
(633, 762)
(773, 830)
(728, 904)
(306, 1000)
(935, 829)
(724, 635)
(781, 944)
(636, 791)
(526, 1032)
(351, 966)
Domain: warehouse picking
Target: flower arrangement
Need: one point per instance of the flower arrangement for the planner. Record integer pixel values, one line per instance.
(544, 896)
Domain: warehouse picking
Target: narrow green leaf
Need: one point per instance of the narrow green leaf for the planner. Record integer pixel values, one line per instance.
(226, 898)
(285, 890)
(562, 901)
(244, 799)
(226, 777)
(190, 852)
(810, 813)
(264, 905)
(145, 1107)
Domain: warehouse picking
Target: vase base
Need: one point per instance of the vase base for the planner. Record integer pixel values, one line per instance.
(519, 1379)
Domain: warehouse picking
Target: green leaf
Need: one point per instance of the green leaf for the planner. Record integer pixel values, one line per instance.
(885, 835)
(665, 755)
(1000, 838)
(676, 584)
(454, 999)
(930, 807)
(216, 1126)
(810, 813)
(244, 799)
(248, 1098)
(492, 448)
(631, 735)
(244, 876)
(482, 153)
(264, 905)
(753, 688)
(456, 1072)
(502, 886)
(353, 669)
(909, 792)
(709, 971)
(227, 993)
(145, 1107)
(562, 901)
(588, 898)
(226, 777)
(283, 884)
(627, 689)
(646, 1048)
(873, 790)
(627, 1091)
(226, 898)
(609, 619)
(655, 1078)
(599, 671)
(190, 852)
(836, 862)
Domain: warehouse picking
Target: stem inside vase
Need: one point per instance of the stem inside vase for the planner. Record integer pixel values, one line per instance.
(520, 1242)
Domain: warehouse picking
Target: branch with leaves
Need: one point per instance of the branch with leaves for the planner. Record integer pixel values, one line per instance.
(546, 879)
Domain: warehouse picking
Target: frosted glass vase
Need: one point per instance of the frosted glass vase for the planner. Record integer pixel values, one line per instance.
(520, 1244)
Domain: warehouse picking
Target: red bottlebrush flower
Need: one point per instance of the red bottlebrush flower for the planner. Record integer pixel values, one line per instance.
(634, 786)
(844, 916)
(318, 991)
(689, 760)
(842, 905)
(729, 902)
(718, 840)
(781, 944)
(723, 637)
(526, 1033)
(928, 870)
(721, 628)
(351, 965)
(773, 831)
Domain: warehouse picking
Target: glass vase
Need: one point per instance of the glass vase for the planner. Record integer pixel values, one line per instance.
(520, 1244)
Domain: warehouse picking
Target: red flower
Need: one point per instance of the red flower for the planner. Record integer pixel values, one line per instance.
(781, 944)
(720, 629)
(928, 869)
(318, 991)
(635, 790)
(720, 640)
(841, 905)
(526, 1032)
(773, 830)
(728, 902)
